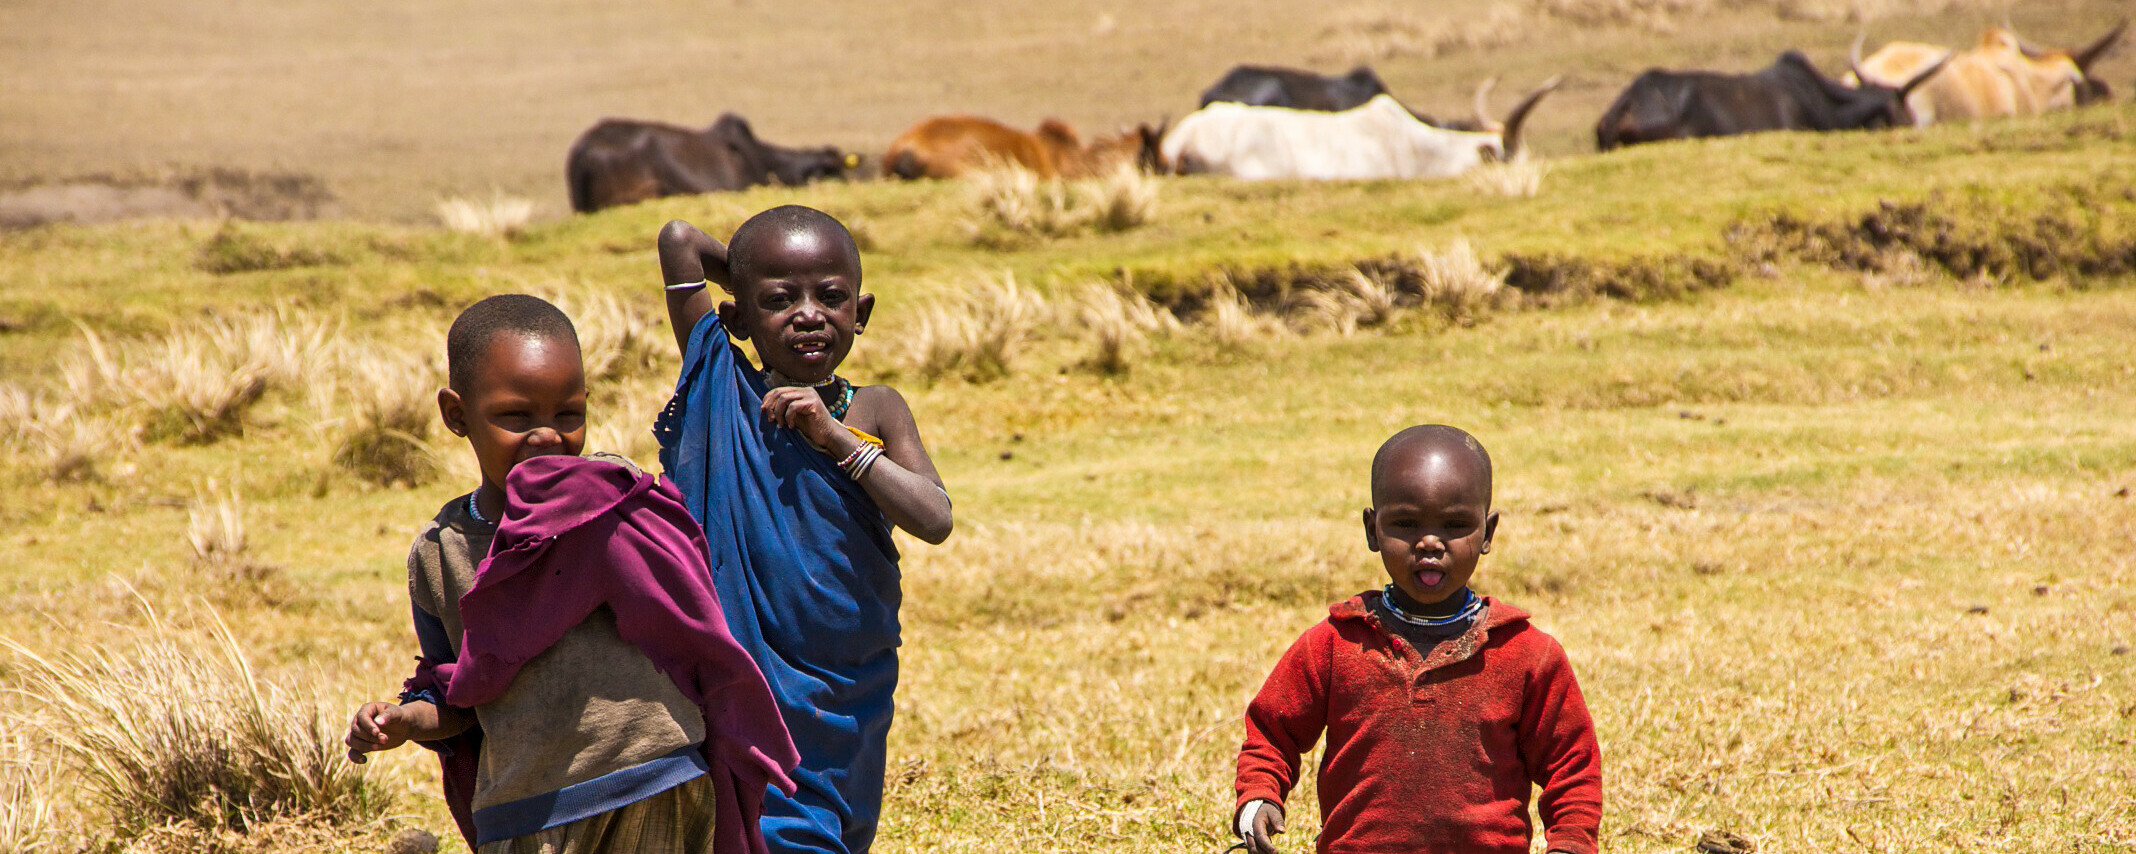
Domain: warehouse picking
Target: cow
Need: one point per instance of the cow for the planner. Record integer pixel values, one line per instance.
(1378, 139)
(1790, 94)
(1274, 86)
(950, 146)
(623, 161)
(2000, 76)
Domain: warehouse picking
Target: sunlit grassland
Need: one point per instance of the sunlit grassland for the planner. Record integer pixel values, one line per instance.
(1842, 564)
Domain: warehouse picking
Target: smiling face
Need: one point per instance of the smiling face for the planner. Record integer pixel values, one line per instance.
(800, 302)
(526, 398)
(1431, 518)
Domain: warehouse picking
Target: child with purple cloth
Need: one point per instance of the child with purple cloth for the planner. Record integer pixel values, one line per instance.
(565, 608)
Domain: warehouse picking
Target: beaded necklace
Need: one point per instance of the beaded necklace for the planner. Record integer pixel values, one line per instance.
(471, 511)
(841, 394)
(1470, 605)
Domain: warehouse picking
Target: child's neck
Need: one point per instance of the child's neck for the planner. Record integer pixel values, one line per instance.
(1446, 607)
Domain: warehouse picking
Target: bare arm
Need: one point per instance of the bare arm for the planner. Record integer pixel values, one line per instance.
(384, 726)
(688, 254)
(903, 481)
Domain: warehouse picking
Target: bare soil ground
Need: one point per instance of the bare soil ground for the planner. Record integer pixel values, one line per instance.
(398, 103)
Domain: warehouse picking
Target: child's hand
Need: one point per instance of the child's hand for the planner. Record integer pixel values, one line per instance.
(801, 408)
(1265, 822)
(378, 726)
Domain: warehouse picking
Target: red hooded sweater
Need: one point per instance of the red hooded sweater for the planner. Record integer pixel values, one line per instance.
(1429, 754)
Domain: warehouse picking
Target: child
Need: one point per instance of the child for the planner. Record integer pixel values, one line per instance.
(613, 718)
(1441, 707)
(784, 468)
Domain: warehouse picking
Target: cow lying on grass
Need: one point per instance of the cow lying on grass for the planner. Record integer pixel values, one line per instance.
(1380, 139)
(950, 146)
(624, 161)
(2000, 76)
(1790, 94)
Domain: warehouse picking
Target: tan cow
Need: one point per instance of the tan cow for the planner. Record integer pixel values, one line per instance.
(949, 146)
(2001, 76)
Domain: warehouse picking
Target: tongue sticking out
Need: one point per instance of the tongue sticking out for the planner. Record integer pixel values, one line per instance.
(1430, 577)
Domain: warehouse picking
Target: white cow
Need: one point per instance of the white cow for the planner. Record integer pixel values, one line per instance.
(1379, 139)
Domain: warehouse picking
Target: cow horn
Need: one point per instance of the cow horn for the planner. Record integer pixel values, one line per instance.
(1922, 77)
(1483, 100)
(2084, 58)
(1510, 139)
(1854, 56)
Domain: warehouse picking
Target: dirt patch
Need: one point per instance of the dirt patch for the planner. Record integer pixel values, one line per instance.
(1547, 279)
(2070, 237)
(196, 194)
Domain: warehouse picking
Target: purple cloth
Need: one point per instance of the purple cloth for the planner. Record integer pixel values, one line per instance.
(581, 533)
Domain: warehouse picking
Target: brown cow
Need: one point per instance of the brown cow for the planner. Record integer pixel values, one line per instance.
(622, 161)
(950, 146)
(2001, 76)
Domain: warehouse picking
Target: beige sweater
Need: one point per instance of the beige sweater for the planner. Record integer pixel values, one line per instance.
(589, 706)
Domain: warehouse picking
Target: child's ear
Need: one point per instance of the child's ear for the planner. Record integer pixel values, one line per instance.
(730, 316)
(1371, 530)
(452, 411)
(863, 308)
(1490, 529)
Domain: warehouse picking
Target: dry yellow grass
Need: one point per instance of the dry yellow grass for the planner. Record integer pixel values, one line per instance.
(499, 215)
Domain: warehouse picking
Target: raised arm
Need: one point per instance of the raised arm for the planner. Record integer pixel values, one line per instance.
(688, 255)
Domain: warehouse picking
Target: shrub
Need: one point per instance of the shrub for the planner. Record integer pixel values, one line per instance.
(165, 728)
(1352, 301)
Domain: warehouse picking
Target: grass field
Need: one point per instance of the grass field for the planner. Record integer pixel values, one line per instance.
(1815, 451)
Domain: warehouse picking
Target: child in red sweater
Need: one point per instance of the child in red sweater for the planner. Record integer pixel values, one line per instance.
(1441, 707)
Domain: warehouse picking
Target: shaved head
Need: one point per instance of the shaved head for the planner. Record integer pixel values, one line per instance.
(789, 228)
(1449, 449)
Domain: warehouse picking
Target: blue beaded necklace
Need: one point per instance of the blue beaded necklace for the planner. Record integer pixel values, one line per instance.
(472, 511)
(1470, 605)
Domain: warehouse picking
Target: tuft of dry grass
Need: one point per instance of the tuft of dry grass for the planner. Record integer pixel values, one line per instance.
(618, 338)
(162, 727)
(66, 442)
(1456, 282)
(1118, 322)
(215, 530)
(499, 215)
(974, 335)
(1122, 198)
(1357, 300)
(621, 421)
(198, 381)
(1520, 178)
(1231, 321)
(1008, 198)
(391, 406)
(28, 820)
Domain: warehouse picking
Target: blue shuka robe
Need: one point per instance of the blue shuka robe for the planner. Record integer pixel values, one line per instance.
(804, 563)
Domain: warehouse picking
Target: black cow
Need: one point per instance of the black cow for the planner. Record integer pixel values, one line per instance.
(1272, 86)
(622, 161)
(1790, 94)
